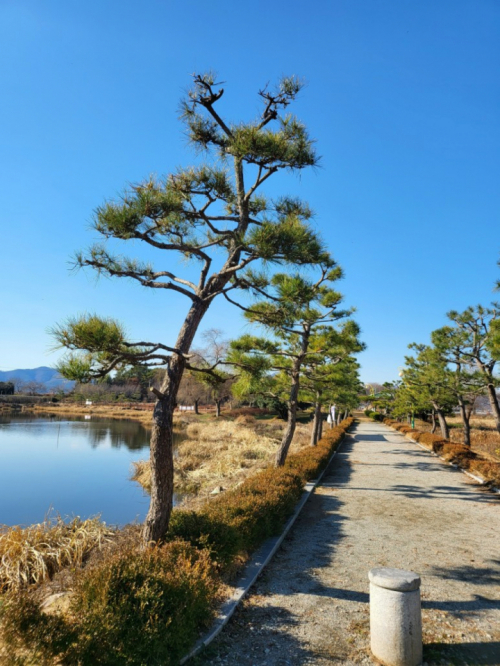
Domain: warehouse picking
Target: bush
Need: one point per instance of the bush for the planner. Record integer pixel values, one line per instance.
(457, 454)
(136, 607)
(221, 540)
(414, 434)
(434, 442)
(488, 470)
(259, 507)
(375, 416)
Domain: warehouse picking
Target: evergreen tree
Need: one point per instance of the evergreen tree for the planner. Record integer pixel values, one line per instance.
(293, 313)
(331, 377)
(212, 216)
(425, 377)
(477, 346)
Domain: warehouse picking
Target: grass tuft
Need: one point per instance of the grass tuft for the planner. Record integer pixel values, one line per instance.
(31, 555)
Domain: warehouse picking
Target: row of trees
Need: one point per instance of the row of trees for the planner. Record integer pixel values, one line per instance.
(229, 237)
(453, 372)
(27, 387)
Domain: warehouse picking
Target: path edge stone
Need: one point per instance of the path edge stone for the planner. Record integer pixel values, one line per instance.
(259, 560)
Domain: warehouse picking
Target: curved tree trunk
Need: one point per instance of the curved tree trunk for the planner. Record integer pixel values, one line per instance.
(161, 443)
(291, 419)
(288, 434)
(493, 399)
(434, 425)
(445, 432)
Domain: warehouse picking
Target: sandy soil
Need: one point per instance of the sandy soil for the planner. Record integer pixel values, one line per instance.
(384, 502)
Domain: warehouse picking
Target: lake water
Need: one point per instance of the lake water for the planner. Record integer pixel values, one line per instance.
(74, 467)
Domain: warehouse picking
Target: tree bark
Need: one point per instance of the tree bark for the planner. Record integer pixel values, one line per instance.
(316, 424)
(196, 410)
(217, 408)
(161, 443)
(293, 399)
(290, 429)
(320, 425)
(434, 425)
(493, 398)
(445, 432)
(465, 416)
(292, 414)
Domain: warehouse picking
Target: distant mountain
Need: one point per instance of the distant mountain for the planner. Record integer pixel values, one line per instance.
(43, 375)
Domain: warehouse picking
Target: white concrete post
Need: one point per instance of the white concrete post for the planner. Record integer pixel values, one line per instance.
(395, 617)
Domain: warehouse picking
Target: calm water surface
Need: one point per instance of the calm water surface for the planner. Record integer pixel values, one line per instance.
(75, 467)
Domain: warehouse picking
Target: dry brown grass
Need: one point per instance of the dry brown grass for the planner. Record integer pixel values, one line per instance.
(134, 413)
(224, 453)
(31, 555)
(485, 440)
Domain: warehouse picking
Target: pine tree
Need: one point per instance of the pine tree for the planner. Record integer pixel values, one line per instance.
(294, 312)
(214, 217)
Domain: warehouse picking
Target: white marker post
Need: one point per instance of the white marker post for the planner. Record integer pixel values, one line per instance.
(395, 617)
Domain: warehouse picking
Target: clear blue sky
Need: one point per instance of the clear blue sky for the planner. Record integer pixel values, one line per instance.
(402, 96)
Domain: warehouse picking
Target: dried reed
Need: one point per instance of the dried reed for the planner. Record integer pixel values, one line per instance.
(223, 453)
(31, 555)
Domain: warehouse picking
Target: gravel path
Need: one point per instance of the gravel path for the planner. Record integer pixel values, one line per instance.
(384, 502)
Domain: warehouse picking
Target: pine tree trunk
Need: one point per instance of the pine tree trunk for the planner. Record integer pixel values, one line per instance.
(161, 443)
(466, 423)
(320, 426)
(445, 432)
(434, 425)
(288, 434)
(217, 408)
(196, 410)
(291, 419)
(493, 398)
(316, 424)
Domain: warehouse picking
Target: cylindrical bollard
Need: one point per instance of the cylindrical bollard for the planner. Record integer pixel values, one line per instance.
(395, 617)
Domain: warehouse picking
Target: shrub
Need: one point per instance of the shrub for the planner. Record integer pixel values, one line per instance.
(136, 607)
(457, 453)
(260, 506)
(488, 470)
(434, 442)
(414, 434)
(245, 419)
(222, 541)
(24, 627)
(145, 607)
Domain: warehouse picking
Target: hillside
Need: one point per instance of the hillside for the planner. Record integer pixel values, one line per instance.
(43, 375)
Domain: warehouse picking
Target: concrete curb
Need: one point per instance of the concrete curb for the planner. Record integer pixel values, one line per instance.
(255, 566)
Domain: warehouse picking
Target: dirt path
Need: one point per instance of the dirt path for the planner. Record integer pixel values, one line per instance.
(384, 502)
